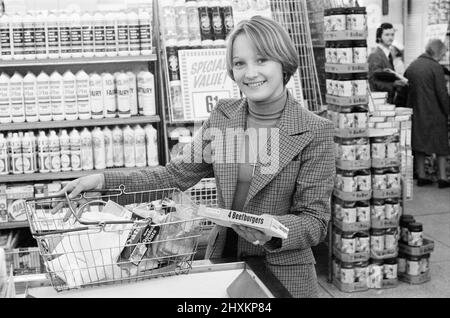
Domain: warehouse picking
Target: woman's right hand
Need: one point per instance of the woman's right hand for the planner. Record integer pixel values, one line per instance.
(75, 187)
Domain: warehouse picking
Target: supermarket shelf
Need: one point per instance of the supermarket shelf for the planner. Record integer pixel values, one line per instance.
(79, 123)
(346, 68)
(345, 35)
(14, 225)
(81, 60)
(55, 175)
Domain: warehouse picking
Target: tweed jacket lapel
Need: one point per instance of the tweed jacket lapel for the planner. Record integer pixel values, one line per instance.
(227, 172)
(294, 135)
(383, 56)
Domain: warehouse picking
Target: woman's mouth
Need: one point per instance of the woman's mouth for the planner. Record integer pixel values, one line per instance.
(255, 84)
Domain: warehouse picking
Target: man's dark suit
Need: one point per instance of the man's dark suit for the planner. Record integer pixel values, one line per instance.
(379, 80)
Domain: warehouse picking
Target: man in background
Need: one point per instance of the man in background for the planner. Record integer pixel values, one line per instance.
(382, 75)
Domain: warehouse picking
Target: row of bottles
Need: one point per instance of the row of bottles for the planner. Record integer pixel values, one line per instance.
(100, 149)
(42, 34)
(75, 96)
(196, 23)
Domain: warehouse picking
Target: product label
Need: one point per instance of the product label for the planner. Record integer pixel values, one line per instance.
(75, 38)
(64, 39)
(99, 36)
(75, 159)
(205, 24)
(65, 161)
(110, 35)
(16, 98)
(18, 39)
(17, 163)
(56, 161)
(146, 36)
(39, 36)
(52, 38)
(122, 37)
(5, 41)
(43, 98)
(88, 38)
(28, 40)
(217, 24)
(133, 33)
(228, 20)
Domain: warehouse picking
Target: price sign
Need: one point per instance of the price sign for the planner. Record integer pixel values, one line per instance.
(204, 81)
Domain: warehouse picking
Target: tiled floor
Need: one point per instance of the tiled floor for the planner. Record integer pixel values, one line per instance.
(430, 206)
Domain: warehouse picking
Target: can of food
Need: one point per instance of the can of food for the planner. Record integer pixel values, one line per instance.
(392, 209)
(339, 182)
(347, 273)
(378, 146)
(348, 212)
(390, 240)
(360, 53)
(379, 179)
(393, 147)
(356, 19)
(338, 19)
(327, 21)
(348, 150)
(424, 263)
(349, 181)
(401, 263)
(390, 268)
(329, 51)
(337, 237)
(375, 279)
(346, 120)
(363, 211)
(363, 180)
(336, 268)
(413, 265)
(377, 211)
(362, 121)
(338, 211)
(344, 52)
(405, 220)
(377, 240)
(361, 273)
(393, 178)
(362, 242)
(345, 88)
(362, 149)
(415, 234)
(348, 243)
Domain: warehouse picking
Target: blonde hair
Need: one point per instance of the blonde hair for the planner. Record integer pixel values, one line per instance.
(270, 40)
(435, 48)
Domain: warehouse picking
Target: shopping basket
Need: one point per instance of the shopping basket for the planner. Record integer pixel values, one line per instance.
(156, 235)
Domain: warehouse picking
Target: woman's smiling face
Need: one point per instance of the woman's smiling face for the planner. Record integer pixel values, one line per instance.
(259, 78)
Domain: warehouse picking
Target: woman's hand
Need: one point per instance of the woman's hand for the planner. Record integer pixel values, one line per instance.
(251, 235)
(75, 187)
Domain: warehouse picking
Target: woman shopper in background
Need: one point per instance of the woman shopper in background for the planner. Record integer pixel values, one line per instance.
(428, 96)
(296, 189)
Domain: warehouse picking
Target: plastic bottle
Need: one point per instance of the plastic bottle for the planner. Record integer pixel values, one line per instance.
(64, 35)
(123, 43)
(194, 23)
(17, 36)
(27, 154)
(40, 35)
(217, 23)
(151, 137)
(118, 147)
(146, 93)
(53, 36)
(87, 34)
(140, 147)
(34, 161)
(75, 150)
(56, 96)
(133, 33)
(98, 142)
(16, 154)
(109, 154)
(5, 38)
(29, 45)
(43, 97)
(4, 162)
(99, 35)
(64, 141)
(83, 92)
(132, 83)
(109, 95)
(169, 18)
(96, 95)
(227, 17)
(129, 143)
(43, 153)
(87, 156)
(75, 35)
(145, 30)
(5, 107)
(123, 95)
(16, 98)
(110, 34)
(70, 96)
(30, 97)
(182, 25)
(205, 24)
(55, 151)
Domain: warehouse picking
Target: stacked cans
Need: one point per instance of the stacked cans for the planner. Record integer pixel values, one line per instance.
(345, 19)
(346, 52)
(353, 117)
(347, 85)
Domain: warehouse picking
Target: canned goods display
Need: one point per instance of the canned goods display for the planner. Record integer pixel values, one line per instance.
(379, 179)
(377, 210)
(392, 209)
(338, 211)
(361, 273)
(363, 212)
(344, 52)
(360, 52)
(347, 273)
(347, 120)
(375, 279)
(413, 265)
(345, 88)
(378, 146)
(390, 268)
(405, 220)
(393, 147)
(390, 240)
(362, 121)
(362, 242)
(363, 180)
(348, 181)
(348, 243)
(393, 178)
(348, 212)
(415, 234)
(377, 240)
(362, 150)
(356, 19)
(347, 150)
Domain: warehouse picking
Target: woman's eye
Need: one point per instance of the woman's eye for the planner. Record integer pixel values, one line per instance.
(262, 60)
(237, 64)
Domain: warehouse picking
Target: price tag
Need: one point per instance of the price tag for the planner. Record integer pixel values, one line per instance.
(204, 102)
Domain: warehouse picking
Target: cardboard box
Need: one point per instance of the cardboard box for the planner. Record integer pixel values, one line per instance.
(385, 125)
(265, 223)
(384, 113)
(385, 107)
(379, 95)
(377, 119)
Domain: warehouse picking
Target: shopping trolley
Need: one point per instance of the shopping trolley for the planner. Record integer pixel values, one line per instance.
(81, 246)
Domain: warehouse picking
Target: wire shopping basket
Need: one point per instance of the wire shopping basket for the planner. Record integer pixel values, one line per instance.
(114, 236)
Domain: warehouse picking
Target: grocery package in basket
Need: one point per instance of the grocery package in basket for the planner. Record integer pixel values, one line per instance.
(265, 223)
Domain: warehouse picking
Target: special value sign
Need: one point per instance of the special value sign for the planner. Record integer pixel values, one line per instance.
(204, 81)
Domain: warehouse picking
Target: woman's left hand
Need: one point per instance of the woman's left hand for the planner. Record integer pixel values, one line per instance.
(251, 235)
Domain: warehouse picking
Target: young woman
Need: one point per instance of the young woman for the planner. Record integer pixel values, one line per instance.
(293, 183)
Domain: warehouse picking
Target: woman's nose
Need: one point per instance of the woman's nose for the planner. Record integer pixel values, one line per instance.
(251, 72)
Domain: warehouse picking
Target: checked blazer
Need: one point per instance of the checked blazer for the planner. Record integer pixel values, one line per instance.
(297, 192)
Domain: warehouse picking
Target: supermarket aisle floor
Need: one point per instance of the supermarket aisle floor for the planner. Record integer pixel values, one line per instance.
(430, 206)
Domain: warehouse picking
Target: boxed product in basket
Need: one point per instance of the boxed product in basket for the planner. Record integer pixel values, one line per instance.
(265, 223)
